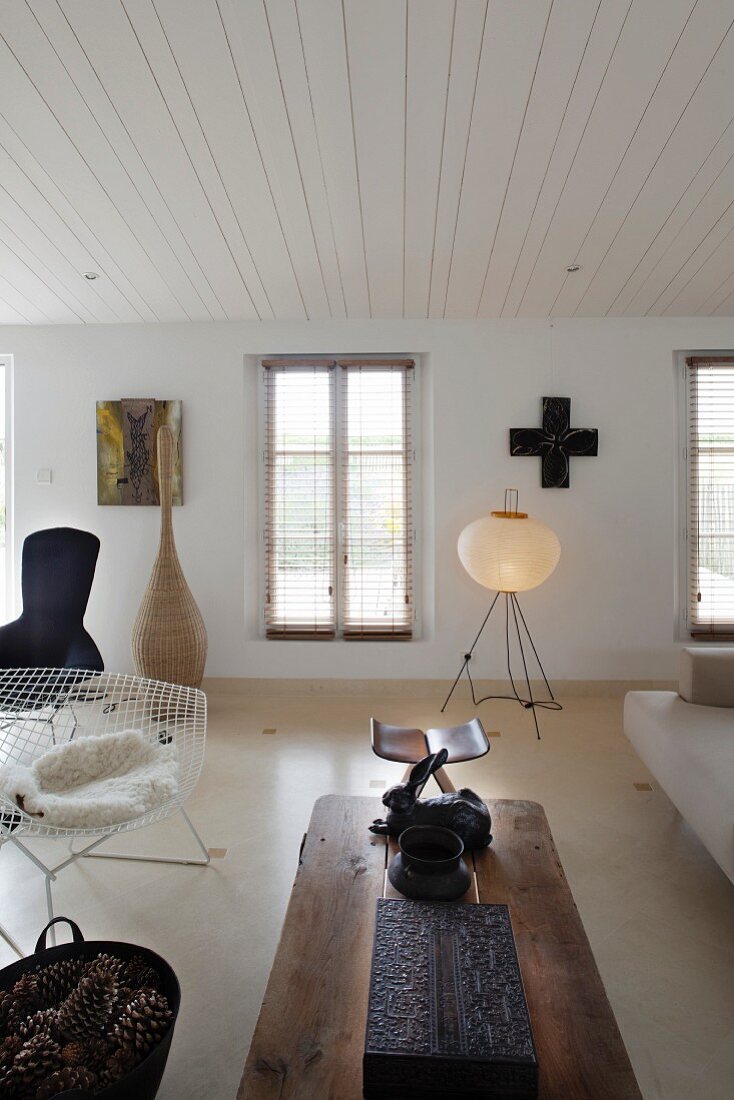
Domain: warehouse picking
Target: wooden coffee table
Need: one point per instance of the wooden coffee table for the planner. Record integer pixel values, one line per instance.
(309, 1039)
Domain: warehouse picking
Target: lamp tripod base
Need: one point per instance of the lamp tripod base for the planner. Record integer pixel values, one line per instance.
(514, 620)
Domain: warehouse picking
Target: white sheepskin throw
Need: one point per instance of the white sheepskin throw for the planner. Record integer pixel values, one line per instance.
(94, 781)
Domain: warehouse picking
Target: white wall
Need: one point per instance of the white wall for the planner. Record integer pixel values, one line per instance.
(608, 611)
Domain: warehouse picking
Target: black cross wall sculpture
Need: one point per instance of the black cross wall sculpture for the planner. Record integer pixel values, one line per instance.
(555, 442)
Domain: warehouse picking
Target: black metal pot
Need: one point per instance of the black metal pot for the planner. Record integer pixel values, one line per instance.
(143, 1082)
(429, 866)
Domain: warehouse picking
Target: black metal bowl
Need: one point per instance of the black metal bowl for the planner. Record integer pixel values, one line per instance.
(429, 866)
(142, 1082)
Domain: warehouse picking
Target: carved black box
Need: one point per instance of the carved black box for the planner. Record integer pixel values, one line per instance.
(447, 1013)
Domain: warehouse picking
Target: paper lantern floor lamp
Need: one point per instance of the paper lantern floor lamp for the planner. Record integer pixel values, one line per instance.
(509, 552)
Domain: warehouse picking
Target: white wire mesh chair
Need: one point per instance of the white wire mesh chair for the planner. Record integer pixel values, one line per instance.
(40, 708)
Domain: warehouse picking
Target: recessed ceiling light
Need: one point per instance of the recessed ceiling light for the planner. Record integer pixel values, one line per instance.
(573, 268)
(91, 275)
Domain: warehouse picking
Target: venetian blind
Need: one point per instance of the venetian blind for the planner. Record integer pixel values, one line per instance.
(376, 464)
(299, 498)
(711, 496)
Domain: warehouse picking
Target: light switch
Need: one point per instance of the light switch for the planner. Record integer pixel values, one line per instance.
(43, 476)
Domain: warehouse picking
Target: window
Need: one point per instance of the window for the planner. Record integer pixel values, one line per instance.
(338, 502)
(5, 573)
(710, 497)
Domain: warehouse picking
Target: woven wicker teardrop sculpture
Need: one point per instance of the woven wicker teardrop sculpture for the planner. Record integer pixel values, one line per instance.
(169, 637)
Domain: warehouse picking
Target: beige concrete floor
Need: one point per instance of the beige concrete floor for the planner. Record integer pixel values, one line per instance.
(657, 909)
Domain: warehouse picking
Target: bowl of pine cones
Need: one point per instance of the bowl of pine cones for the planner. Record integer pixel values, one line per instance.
(86, 1019)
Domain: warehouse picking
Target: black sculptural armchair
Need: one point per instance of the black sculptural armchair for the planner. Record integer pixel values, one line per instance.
(57, 573)
(39, 648)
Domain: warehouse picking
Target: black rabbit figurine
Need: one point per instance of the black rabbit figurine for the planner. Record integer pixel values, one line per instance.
(461, 811)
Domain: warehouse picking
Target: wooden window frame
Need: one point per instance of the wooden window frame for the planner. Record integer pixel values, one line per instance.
(415, 489)
(689, 628)
(9, 578)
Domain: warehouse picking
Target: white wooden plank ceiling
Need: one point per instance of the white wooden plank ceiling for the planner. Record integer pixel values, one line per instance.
(355, 158)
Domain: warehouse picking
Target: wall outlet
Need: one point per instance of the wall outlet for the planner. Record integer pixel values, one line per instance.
(43, 476)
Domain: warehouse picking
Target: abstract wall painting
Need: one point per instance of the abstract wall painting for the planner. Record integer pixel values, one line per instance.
(127, 462)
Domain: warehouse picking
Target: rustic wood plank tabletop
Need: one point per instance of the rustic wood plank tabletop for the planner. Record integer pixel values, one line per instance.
(309, 1039)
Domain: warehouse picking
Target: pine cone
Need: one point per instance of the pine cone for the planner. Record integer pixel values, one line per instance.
(73, 1053)
(87, 1009)
(23, 1002)
(67, 1078)
(119, 1063)
(8, 1049)
(55, 982)
(7, 1000)
(37, 1059)
(106, 962)
(120, 1011)
(91, 1053)
(144, 1023)
(105, 970)
(97, 1053)
(137, 973)
(7, 1085)
(105, 977)
(43, 1021)
(125, 994)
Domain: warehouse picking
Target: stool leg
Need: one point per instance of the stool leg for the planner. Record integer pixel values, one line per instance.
(443, 781)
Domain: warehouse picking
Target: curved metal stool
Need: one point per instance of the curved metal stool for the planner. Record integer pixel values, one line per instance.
(40, 708)
(407, 746)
